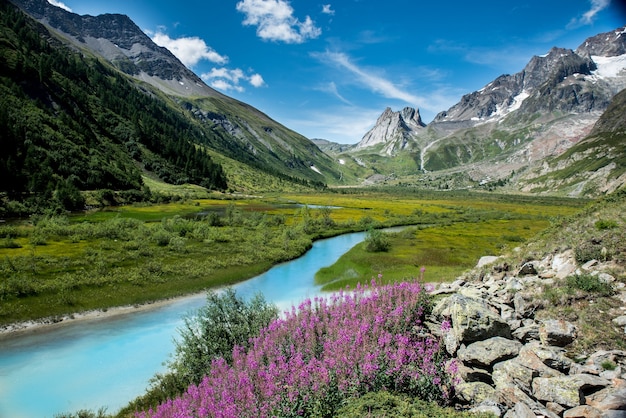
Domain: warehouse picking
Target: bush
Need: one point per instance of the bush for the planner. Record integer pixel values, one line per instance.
(377, 241)
(224, 322)
(589, 283)
(603, 224)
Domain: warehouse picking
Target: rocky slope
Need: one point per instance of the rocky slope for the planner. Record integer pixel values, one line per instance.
(540, 331)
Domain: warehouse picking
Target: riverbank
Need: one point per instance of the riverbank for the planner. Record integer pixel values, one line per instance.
(50, 323)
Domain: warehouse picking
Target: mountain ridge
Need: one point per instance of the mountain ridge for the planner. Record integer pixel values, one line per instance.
(512, 124)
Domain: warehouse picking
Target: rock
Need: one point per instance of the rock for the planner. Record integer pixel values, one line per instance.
(608, 399)
(557, 332)
(511, 395)
(620, 321)
(474, 392)
(473, 374)
(525, 308)
(564, 264)
(527, 269)
(587, 266)
(553, 357)
(487, 407)
(583, 411)
(606, 278)
(528, 357)
(512, 373)
(488, 352)
(555, 408)
(471, 319)
(520, 410)
(527, 333)
(486, 260)
(566, 390)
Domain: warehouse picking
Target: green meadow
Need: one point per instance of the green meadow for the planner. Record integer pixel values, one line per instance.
(141, 253)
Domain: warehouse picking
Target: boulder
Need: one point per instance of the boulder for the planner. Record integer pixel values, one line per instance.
(527, 269)
(490, 351)
(471, 319)
(582, 411)
(486, 260)
(528, 357)
(609, 399)
(512, 373)
(557, 332)
(520, 410)
(474, 392)
(568, 391)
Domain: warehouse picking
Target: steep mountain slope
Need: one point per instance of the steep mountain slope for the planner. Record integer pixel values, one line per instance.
(70, 123)
(512, 124)
(597, 164)
(237, 130)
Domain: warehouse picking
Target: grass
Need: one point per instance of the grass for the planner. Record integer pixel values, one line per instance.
(140, 253)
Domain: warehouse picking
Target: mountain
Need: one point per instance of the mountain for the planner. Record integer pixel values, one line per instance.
(511, 125)
(111, 49)
(393, 130)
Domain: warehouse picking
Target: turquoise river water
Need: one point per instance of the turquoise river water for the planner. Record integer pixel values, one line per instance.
(107, 362)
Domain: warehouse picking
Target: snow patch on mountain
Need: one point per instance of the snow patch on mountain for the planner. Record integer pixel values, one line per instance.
(610, 67)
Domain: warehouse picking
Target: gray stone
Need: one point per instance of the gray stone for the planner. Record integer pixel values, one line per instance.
(620, 321)
(527, 333)
(486, 260)
(489, 407)
(557, 332)
(474, 392)
(525, 308)
(471, 319)
(520, 410)
(567, 390)
(511, 372)
(473, 374)
(608, 399)
(582, 411)
(490, 351)
(527, 269)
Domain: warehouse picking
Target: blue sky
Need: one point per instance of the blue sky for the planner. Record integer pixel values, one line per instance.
(328, 69)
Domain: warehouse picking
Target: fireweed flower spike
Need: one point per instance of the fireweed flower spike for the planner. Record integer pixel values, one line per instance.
(310, 360)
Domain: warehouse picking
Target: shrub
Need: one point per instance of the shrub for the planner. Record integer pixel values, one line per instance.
(589, 283)
(377, 241)
(327, 351)
(603, 224)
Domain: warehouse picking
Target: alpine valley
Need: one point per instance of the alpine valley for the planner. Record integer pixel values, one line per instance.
(91, 103)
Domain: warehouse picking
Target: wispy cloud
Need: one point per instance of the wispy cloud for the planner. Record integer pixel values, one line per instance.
(60, 4)
(226, 79)
(331, 88)
(275, 21)
(506, 57)
(189, 50)
(326, 9)
(367, 78)
(588, 17)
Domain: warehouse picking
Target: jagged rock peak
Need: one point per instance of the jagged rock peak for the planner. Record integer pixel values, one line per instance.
(393, 130)
(609, 44)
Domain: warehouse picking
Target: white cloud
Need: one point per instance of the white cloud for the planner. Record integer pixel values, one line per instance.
(59, 4)
(189, 50)
(275, 21)
(369, 80)
(327, 10)
(588, 17)
(256, 80)
(230, 79)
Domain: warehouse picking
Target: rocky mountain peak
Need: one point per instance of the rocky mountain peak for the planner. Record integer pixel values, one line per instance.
(609, 44)
(116, 38)
(393, 130)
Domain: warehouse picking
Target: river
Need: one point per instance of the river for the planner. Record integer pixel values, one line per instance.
(107, 362)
